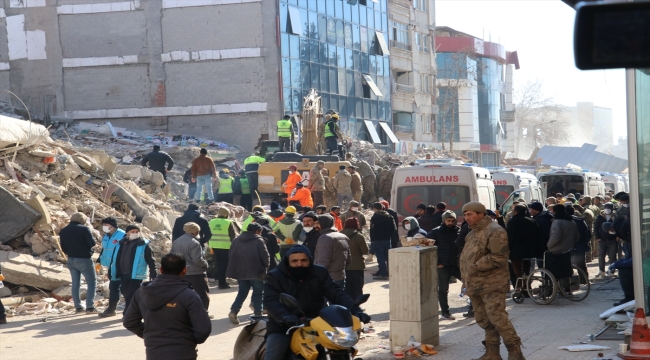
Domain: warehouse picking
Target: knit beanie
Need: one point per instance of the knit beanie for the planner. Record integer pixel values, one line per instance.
(474, 206)
(448, 215)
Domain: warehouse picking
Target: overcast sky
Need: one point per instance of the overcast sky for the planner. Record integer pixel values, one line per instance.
(541, 31)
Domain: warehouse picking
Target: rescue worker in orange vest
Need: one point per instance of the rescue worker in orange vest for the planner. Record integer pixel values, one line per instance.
(293, 178)
(301, 198)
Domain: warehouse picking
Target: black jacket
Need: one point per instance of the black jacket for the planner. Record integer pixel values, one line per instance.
(436, 219)
(312, 293)
(598, 228)
(192, 216)
(395, 237)
(544, 220)
(585, 234)
(157, 160)
(311, 240)
(77, 240)
(462, 234)
(382, 226)
(148, 257)
(445, 238)
(175, 318)
(426, 222)
(271, 245)
(524, 238)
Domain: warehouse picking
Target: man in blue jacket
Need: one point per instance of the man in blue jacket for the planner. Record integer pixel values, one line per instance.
(173, 313)
(110, 241)
(130, 261)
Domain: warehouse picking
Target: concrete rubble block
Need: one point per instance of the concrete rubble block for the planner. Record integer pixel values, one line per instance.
(16, 218)
(157, 178)
(82, 162)
(156, 222)
(65, 293)
(42, 153)
(4, 292)
(39, 206)
(25, 269)
(110, 165)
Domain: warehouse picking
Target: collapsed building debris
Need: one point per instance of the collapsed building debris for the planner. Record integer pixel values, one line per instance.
(367, 151)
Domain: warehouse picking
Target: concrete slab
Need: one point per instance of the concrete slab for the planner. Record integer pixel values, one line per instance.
(37, 204)
(26, 270)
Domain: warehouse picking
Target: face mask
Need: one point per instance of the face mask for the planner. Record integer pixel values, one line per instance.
(625, 205)
(300, 273)
(308, 229)
(291, 172)
(407, 226)
(612, 233)
(106, 228)
(608, 211)
(354, 208)
(133, 236)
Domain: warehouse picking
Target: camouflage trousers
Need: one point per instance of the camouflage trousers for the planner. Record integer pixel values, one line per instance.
(490, 314)
(368, 196)
(356, 195)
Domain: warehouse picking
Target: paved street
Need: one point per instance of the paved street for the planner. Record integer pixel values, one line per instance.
(542, 328)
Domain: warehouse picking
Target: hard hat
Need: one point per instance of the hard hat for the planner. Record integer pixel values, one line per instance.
(290, 210)
(335, 116)
(226, 171)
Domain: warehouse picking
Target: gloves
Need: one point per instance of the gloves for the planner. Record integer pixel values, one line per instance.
(1, 277)
(291, 320)
(363, 317)
(98, 268)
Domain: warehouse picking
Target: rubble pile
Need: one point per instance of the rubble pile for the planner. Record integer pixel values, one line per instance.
(367, 151)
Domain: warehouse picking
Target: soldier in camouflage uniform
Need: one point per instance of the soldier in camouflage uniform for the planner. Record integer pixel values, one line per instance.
(368, 179)
(386, 183)
(484, 268)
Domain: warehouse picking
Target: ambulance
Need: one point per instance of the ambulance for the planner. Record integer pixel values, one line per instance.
(507, 180)
(567, 181)
(614, 182)
(448, 181)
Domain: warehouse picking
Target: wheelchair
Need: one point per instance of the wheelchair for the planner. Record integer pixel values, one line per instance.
(542, 279)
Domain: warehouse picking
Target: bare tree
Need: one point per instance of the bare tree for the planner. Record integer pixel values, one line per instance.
(539, 119)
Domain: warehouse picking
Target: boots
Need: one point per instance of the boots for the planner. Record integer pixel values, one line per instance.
(232, 316)
(110, 310)
(514, 352)
(491, 352)
(469, 313)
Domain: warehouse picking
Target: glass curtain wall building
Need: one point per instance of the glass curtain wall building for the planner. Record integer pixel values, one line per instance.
(339, 48)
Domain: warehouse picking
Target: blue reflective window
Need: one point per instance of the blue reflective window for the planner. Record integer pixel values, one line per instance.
(363, 15)
(334, 102)
(296, 100)
(305, 74)
(311, 5)
(364, 63)
(347, 32)
(293, 2)
(315, 74)
(341, 75)
(371, 18)
(386, 67)
(383, 6)
(358, 108)
(351, 107)
(304, 49)
(356, 60)
(373, 110)
(356, 37)
(358, 85)
(355, 13)
(313, 25)
(366, 109)
(294, 46)
(332, 55)
(321, 7)
(284, 42)
(378, 20)
(286, 72)
(347, 11)
(313, 45)
(349, 61)
(323, 54)
(364, 39)
(331, 30)
(370, 4)
(305, 22)
(284, 12)
(295, 74)
(334, 80)
(340, 57)
(330, 8)
(322, 28)
(325, 101)
(349, 83)
(340, 33)
(302, 3)
(372, 42)
(324, 79)
(338, 5)
(286, 94)
(343, 106)
(384, 25)
(379, 63)
(382, 111)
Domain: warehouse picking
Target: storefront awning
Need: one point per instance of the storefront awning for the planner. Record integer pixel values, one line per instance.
(372, 85)
(389, 132)
(372, 131)
(382, 43)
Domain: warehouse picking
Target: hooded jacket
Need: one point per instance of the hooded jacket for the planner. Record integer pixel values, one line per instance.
(192, 216)
(248, 257)
(598, 226)
(428, 222)
(544, 221)
(382, 226)
(585, 235)
(343, 182)
(484, 260)
(524, 238)
(77, 241)
(415, 227)
(332, 249)
(303, 196)
(175, 318)
(564, 234)
(192, 251)
(157, 160)
(358, 248)
(311, 293)
(445, 238)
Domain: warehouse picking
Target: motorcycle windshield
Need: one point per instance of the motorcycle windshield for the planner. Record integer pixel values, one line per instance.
(336, 316)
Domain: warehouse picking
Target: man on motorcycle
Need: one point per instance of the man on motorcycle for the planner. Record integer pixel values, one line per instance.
(311, 285)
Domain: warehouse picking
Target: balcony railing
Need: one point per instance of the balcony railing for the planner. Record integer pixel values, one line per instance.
(404, 129)
(404, 3)
(400, 45)
(409, 89)
(507, 116)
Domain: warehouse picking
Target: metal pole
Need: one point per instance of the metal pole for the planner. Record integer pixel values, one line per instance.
(635, 206)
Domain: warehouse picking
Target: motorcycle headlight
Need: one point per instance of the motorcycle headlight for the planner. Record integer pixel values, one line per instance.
(345, 337)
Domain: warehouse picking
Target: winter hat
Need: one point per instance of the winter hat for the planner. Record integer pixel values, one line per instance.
(351, 223)
(223, 212)
(326, 221)
(192, 207)
(448, 215)
(110, 221)
(254, 227)
(536, 206)
(191, 228)
(569, 209)
(385, 204)
(619, 194)
(310, 214)
(570, 196)
(474, 206)
(609, 205)
(132, 227)
(354, 203)
(624, 197)
(79, 217)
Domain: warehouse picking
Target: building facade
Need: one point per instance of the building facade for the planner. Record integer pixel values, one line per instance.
(226, 69)
(413, 68)
(475, 96)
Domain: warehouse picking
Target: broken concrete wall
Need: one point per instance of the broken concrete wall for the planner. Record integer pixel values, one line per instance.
(23, 269)
(16, 218)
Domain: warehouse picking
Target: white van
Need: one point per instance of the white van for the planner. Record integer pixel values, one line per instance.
(507, 180)
(614, 182)
(567, 181)
(450, 182)
(529, 194)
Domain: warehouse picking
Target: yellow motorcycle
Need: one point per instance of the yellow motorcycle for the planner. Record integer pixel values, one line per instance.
(330, 336)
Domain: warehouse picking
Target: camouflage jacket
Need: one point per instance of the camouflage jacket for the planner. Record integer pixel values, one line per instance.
(484, 260)
(316, 181)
